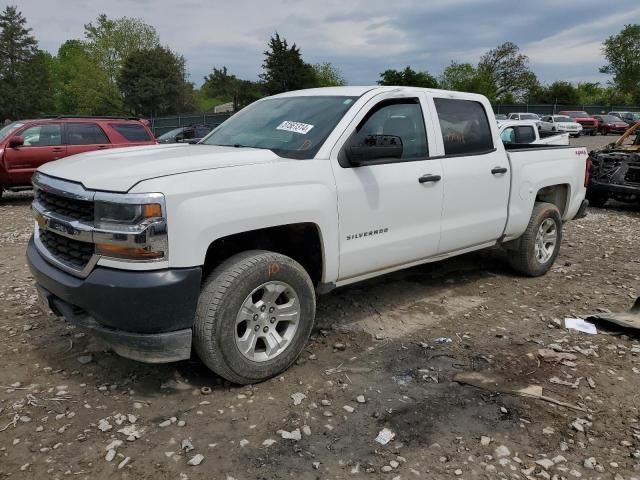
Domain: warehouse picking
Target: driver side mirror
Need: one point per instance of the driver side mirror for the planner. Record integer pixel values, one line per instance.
(16, 141)
(374, 147)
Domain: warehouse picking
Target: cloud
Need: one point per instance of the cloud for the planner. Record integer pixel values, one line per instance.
(362, 37)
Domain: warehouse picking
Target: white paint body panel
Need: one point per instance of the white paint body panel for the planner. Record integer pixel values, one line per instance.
(212, 192)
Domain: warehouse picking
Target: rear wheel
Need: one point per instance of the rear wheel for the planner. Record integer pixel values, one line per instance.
(539, 246)
(254, 316)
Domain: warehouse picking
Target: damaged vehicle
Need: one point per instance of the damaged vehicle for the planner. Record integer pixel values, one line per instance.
(615, 171)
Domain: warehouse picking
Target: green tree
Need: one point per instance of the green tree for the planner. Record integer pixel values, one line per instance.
(408, 78)
(227, 87)
(504, 73)
(152, 82)
(19, 54)
(81, 86)
(623, 56)
(284, 69)
(328, 75)
(459, 76)
(560, 92)
(111, 41)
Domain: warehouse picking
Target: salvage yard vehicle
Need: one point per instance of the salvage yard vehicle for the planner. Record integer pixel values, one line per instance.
(615, 171)
(631, 118)
(560, 123)
(589, 124)
(526, 131)
(609, 124)
(190, 134)
(27, 144)
(224, 245)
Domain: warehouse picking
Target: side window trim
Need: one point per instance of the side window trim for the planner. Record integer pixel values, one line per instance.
(413, 100)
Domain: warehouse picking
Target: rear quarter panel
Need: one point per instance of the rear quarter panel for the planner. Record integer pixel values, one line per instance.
(538, 168)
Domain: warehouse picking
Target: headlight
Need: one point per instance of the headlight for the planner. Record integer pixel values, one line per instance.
(128, 216)
(131, 227)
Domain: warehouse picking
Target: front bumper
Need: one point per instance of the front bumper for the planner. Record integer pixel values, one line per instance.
(142, 315)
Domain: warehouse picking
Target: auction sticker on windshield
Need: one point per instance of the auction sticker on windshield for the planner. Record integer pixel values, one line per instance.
(295, 127)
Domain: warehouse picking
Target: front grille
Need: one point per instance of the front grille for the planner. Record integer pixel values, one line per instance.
(81, 210)
(66, 250)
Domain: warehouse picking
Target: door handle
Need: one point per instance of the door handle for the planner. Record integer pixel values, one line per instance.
(499, 170)
(57, 150)
(429, 178)
(102, 147)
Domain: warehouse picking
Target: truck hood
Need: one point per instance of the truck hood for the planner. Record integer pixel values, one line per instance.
(118, 170)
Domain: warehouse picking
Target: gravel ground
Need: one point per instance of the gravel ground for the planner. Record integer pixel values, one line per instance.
(379, 359)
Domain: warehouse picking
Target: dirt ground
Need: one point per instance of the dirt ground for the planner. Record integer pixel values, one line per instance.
(69, 409)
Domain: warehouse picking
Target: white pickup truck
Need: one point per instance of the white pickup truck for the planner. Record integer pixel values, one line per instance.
(223, 245)
(527, 132)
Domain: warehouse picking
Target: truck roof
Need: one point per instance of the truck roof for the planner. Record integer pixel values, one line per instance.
(357, 91)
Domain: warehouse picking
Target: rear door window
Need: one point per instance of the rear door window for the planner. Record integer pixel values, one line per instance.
(132, 131)
(85, 134)
(465, 127)
(525, 134)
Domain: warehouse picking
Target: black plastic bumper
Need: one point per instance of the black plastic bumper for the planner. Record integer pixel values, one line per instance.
(143, 315)
(629, 190)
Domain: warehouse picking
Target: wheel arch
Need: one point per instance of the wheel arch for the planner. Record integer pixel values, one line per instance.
(301, 241)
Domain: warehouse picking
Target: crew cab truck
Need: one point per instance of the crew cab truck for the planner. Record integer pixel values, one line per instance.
(527, 131)
(223, 245)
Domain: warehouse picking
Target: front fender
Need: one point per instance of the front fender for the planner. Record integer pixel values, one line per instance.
(205, 206)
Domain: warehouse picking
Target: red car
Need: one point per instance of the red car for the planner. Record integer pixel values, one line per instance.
(27, 144)
(589, 123)
(610, 124)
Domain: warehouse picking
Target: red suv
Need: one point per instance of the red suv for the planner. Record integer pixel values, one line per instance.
(27, 144)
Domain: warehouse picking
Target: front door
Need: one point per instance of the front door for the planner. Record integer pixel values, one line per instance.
(388, 209)
(42, 144)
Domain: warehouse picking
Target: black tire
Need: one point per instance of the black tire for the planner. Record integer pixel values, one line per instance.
(523, 258)
(224, 292)
(594, 133)
(597, 199)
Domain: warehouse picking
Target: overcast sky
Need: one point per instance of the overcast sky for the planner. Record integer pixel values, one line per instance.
(562, 38)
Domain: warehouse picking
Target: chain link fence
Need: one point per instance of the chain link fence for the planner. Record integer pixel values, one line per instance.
(160, 125)
(553, 109)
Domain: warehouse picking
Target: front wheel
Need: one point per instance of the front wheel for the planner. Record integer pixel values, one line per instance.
(254, 316)
(539, 246)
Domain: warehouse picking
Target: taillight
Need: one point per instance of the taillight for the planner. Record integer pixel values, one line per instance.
(587, 172)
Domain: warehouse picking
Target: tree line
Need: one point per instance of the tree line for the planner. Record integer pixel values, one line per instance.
(120, 67)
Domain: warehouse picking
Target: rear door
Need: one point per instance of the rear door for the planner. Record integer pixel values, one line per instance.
(85, 137)
(475, 175)
(42, 144)
(388, 209)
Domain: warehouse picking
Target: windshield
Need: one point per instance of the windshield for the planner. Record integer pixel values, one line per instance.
(610, 118)
(292, 127)
(171, 134)
(7, 129)
(529, 116)
(563, 119)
